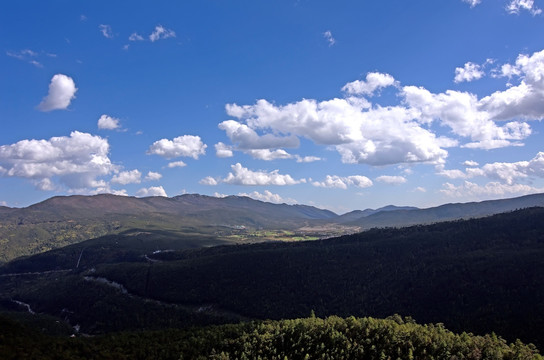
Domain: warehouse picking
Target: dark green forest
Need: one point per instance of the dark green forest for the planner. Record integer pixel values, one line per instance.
(478, 276)
(331, 338)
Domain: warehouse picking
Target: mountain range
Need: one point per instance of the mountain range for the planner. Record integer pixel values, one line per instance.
(64, 220)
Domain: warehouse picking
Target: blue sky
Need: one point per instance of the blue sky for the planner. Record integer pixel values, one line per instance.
(343, 105)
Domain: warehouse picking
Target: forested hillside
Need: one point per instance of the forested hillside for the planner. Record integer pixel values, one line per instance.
(332, 338)
(478, 275)
(483, 275)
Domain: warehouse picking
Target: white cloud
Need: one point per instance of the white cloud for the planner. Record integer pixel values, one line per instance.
(307, 159)
(108, 122)
(507, 173)
(135, 37)
(3, 203)
(268, 196)
(36, 63)
(222, 150)
(406, 133)
(328, 36)
(394, 180)
(46, 185)
(463, 114)
(127, 177)
(153, 176)
(151, 191)
(374, 81)
(161, 33)
(469, 72)
(380, 136)
(524, 101)
(174, 164)
(208, 180)
(186, 145)
(243, 176)
(472, 3)
(106, 30)
(268, 155)
(62, 90)
(493, 189)
(515, 6)
(420, 189)
(76, 161)
(470, 163)
(246, 138)
(453, 174)
(26, 55)
(342, 182)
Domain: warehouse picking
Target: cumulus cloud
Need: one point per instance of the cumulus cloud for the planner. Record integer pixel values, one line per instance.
(342, 182)
(470, 163)
(465, 116)
(222, 150)
(151, 191)
(208, 180)
(268, 196)
(186, 145)
(406, 133)
(153, 176)
(383, 135)
(268, 155)
(507, 173)
(127, 177)
(374, 81)
(469, 72)
(62, 90)
(243, 176)
(161, 33)
(515, 6)
(493, 189)
(75, 162)
(524, 101)
(107, 122)
(174, 164)
(246, 138)
(394, 180)
(106, 30)
(328, 36)
(420, 189)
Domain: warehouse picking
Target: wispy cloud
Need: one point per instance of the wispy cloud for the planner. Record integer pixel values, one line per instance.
(161, 32)
(106, 31)
(472, 3)
(515, 6)
(135, 37)
(328, 36)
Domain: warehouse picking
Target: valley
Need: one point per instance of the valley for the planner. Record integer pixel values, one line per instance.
(482, 275)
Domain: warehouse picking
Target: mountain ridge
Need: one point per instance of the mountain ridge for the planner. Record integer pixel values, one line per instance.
(65, 220)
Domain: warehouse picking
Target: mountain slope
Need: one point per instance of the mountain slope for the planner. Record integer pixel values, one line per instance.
(477, 275)
(61, 221)
(445, 212)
